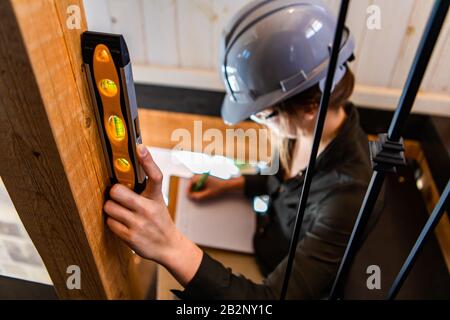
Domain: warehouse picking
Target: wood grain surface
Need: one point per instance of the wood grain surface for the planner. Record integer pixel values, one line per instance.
(52, 163)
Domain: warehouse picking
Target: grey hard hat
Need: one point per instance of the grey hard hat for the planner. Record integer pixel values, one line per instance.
(274, 49)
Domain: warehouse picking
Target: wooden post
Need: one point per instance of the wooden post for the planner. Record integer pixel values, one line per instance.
(51, 160)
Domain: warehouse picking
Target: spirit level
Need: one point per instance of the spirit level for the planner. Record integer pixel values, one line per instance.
(108, 69)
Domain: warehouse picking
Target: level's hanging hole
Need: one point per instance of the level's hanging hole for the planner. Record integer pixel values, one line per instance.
(102, 56)
(122, 165)
(107, 87)
(116, 128)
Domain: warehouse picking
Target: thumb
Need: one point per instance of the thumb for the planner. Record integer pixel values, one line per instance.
(153, 189)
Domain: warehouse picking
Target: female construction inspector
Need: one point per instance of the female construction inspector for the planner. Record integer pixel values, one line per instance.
(274, 61)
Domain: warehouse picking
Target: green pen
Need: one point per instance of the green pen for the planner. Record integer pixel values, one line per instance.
(200, 184)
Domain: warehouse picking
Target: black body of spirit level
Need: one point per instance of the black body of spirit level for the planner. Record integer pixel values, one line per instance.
(108, 70)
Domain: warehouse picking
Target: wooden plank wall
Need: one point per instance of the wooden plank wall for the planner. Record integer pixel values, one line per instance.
(175, 42)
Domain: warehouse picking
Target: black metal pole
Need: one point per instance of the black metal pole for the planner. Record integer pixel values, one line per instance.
(316, 142)
(427, 230)
(406, 102)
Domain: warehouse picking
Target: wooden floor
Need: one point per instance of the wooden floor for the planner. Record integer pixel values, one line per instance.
(158, 128)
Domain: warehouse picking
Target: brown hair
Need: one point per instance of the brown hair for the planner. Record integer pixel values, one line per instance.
(307, 100)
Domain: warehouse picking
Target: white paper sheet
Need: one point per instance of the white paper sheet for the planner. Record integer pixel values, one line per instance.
(18, 256)
(169, 166)
(225, 223)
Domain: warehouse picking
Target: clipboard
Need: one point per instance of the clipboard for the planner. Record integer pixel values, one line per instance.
(227, 222)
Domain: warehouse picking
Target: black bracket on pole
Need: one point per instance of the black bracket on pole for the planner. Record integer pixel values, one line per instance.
(386, 155)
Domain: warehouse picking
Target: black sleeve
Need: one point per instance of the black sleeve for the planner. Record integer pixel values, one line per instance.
(213, 281)
(316, 261)
(255, 185)
(320, 252)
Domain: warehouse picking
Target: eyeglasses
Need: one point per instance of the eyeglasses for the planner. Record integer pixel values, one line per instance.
(265, 115)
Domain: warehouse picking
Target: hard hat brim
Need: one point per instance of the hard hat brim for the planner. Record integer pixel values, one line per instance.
(235, 112)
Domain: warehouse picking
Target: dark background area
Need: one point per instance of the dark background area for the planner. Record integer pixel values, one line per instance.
(433, 133)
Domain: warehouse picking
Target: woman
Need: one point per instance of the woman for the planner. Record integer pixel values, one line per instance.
(264, 44)
(343, 144)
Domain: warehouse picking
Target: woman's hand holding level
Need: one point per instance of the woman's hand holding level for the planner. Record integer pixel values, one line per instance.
(144, 223)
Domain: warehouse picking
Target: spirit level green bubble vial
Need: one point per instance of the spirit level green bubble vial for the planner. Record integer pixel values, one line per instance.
(108, 70)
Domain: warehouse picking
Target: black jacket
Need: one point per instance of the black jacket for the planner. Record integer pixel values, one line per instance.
(340, 181)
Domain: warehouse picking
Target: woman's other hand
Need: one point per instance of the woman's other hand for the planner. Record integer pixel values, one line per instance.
(213, 187)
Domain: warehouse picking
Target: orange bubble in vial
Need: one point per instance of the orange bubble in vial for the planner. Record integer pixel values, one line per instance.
(108, 87)
(122, 165)
(116, 128)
